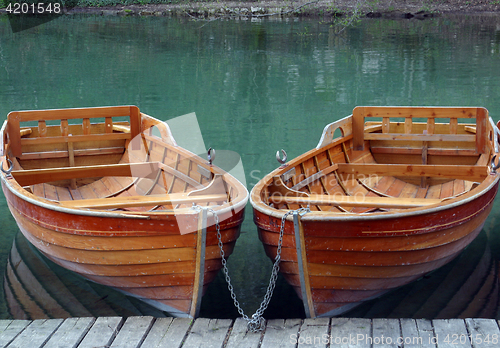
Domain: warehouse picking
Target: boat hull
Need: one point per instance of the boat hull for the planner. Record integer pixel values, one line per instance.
(349, 262)
(143, 257)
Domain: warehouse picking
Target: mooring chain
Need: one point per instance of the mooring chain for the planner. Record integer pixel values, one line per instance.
(257, 322)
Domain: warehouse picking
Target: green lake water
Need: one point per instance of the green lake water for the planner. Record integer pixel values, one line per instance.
(256, 87)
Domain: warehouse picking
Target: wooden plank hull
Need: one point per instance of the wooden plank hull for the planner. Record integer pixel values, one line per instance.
(341, 277)
(124, 230)
(147, 262)
(352, 253)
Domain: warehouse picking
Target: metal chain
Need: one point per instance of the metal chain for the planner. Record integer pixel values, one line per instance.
(257, 322)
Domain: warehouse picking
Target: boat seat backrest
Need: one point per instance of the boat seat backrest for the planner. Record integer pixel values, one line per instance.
(65, 117)
(483, 131)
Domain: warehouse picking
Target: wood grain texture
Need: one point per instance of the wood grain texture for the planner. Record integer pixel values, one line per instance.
(120, 216)
(224, 333)
(383, 219)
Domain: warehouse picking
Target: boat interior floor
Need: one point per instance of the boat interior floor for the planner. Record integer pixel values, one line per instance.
(337, 184)
(103, 188)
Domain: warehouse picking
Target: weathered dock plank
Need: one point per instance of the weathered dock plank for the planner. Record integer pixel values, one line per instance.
(426, 331)
(385, 333)
(279, 333)
(451, 333)
(417, 333)
(133, 332)
(167, 333)
(102, 333)
(151, 332)
(70, 333)
(314, 333)
(9, 329)
(483, 333)
(208, 333)
(240, 337)
(156, 335)
(36, 334)
(350, 333)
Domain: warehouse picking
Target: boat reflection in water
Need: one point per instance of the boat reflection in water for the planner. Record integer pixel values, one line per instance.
(36, 288)
(467, 287)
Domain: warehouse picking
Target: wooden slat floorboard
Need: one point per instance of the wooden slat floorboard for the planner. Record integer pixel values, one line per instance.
(280, 333)
(242, 338)
(10, 329)
(208, 333)
(451, 333)
(150, 332)
(133, 332)
(70, 333)
(36, 334)
(102, 333)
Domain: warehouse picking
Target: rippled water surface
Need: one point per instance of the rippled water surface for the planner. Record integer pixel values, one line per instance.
(256, 87)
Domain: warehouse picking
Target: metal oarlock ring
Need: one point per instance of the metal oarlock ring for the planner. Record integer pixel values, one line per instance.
(8, 171)
(493, 166)
(211, 155)
(282, 161)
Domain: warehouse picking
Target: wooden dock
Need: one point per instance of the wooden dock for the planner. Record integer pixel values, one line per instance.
(134, 332)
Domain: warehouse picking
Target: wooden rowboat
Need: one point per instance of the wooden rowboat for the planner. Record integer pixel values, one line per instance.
(107, 193)
(400, 192)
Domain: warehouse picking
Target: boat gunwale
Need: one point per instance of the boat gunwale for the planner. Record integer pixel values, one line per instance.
(11, 184)
(480, 190)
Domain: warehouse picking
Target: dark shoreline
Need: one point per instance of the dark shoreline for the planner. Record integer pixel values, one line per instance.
(393, 9)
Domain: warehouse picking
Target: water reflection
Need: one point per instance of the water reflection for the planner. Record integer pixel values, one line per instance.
(467, 287)
(257, 88)
(36, 288)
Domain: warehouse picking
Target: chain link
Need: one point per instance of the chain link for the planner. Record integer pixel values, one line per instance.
(257, 322)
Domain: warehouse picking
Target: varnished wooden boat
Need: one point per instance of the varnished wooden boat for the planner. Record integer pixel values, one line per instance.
(107, 193)
(400, 192)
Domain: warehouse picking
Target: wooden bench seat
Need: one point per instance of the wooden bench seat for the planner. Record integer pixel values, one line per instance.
(141, 201)
(356, 201)
(142, 170)
(479, 137)
(42, 136)
(465, 172)
(37, 176)
(362, 170)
